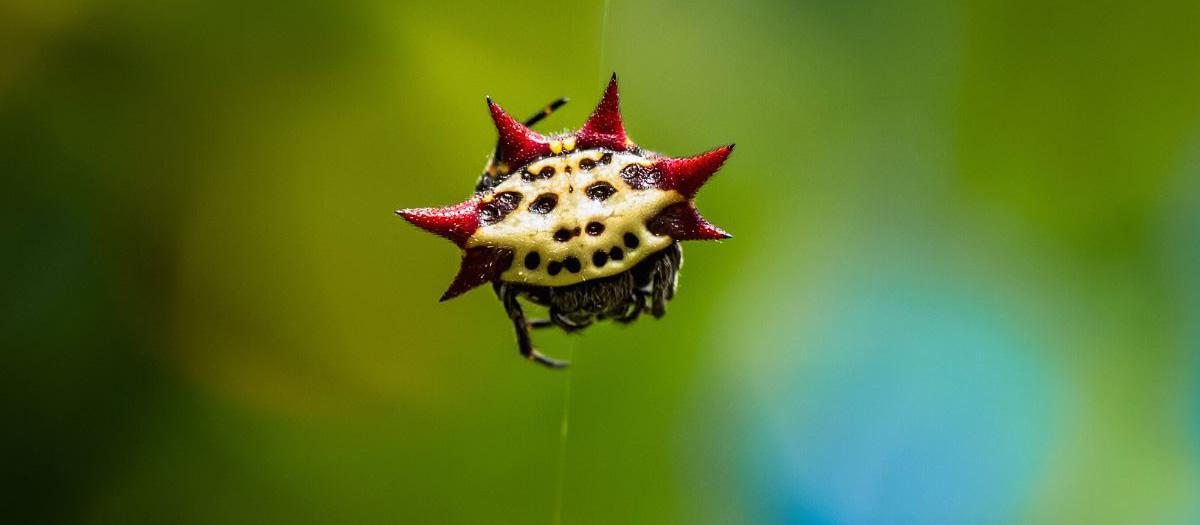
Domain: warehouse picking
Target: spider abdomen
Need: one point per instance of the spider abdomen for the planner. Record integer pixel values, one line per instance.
(575, 218)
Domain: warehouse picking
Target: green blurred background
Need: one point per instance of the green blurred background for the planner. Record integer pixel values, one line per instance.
(963, 286)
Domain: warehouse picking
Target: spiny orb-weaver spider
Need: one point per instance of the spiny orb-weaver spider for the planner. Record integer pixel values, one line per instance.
(585, 223)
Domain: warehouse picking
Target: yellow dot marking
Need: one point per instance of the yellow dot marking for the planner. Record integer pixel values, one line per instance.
(569, 143)
(556, 147)
(503, 168)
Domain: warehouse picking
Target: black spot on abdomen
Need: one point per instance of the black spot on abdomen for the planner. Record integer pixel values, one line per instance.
(544, 203)
(599, 191)
(572, 264)
(640, 177)
(544, 173)
(631, 241)
(533, 260)
(499, 207)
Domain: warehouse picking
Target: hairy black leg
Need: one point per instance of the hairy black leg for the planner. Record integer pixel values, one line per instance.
(539, 323)
(508, 296)
(675, 262)
(545, 112)
(673, 283)
(663, 279)
(566, 323)
(637, 303)
(658, 300)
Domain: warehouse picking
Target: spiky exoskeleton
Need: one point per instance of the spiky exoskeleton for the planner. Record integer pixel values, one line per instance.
(584, 223)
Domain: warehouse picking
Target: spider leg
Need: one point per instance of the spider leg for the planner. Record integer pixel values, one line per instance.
(673, 283)
(658, 300)
(566, 323)
(508, 296)
(665, 278)
(534, 324)
(634, 309)
(545, 112)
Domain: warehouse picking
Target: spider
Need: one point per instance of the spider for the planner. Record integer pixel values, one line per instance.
(586, 223)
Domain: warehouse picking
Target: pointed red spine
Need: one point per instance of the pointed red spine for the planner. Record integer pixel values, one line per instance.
(457, 222)
(481, 264)
(682, 222)
(687, 175)
(604, 128)
(518, 144)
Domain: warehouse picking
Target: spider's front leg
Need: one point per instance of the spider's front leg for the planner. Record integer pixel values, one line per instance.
(508, 296)
(534, 324)
(545, 112)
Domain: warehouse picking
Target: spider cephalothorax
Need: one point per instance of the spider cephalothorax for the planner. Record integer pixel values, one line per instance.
(585, 223)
